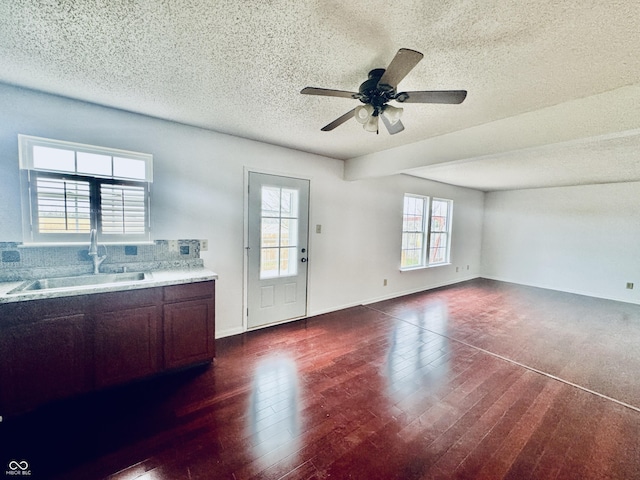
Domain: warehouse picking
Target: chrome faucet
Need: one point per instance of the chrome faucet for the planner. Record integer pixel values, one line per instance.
(93, 251)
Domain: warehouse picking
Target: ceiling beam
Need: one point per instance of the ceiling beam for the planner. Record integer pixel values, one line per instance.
(602, 114)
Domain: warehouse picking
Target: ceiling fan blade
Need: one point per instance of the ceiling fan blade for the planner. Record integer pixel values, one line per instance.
(440, 96)
(327, 92)
(393, 129)
(400, 66)
(339, 121)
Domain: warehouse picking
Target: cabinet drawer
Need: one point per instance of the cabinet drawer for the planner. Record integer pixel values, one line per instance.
(21, 313)
(176, 293)
(113, 301)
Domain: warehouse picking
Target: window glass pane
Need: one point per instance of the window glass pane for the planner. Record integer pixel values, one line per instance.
(129, 168)
(270, 201)
(288, 261)
(437, 255)
(289, 232)
(439, 215)
(413, 234)
(438, 248)
(438, 224)
(94, 164)
(269, 262)
(47, 158)
(62, 206)
(438, 240)
(414, 240)
(270, 232)
(411, 258)
(439, 208)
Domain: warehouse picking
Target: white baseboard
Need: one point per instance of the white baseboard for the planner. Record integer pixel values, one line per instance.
(585, 293)
(418, 290)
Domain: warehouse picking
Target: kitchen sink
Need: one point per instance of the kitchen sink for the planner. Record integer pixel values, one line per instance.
(80, 281)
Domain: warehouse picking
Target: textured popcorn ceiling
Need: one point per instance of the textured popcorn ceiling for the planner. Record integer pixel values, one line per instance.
(553, 79)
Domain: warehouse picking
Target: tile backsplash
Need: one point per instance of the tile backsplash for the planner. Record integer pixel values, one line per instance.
(23, 262)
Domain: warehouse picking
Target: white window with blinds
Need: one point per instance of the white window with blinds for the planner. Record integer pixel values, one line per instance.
(70, 188)
(426, 232)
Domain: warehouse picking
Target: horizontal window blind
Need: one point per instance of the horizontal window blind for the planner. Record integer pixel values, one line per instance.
(123, 209)
(63, 205)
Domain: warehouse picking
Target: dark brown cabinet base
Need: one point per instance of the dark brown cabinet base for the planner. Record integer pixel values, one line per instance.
(57, 348)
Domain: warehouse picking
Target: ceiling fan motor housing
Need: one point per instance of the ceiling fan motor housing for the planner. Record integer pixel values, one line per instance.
(374, 93)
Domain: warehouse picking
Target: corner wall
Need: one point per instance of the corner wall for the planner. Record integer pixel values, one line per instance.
(198, 193)
(582, 239)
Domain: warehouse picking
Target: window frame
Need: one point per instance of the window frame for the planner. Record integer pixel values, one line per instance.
(29, 176)
(426, 232)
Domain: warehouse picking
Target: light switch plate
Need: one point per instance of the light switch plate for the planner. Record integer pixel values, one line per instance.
(204, 245)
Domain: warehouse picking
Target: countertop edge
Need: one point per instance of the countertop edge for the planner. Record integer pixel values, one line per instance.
(160, 278)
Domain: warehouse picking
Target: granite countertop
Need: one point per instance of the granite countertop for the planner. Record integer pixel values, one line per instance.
(156, 278)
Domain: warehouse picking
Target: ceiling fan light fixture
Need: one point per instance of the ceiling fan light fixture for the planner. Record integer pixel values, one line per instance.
(363, 113)
(392, 113)
(371, 124)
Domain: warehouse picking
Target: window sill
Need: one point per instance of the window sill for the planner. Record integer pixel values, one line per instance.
(423, 267)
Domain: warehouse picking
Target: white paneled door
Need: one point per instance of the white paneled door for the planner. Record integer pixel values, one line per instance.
(277, 254)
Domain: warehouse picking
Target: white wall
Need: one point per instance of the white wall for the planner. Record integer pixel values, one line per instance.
(198, 192)
(582, 239)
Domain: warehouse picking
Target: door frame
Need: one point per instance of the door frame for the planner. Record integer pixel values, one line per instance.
(245, 243)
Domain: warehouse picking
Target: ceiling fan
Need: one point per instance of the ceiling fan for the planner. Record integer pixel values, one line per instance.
(379, 89)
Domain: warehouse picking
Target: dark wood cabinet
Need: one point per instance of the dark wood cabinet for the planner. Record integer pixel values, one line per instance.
(56, 348)
(42, 361)
(188, 325)
(126, 345)
(126, 335)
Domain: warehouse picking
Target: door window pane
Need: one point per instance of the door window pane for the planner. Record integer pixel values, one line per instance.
(279, 232)
(270, 202)
(289, 205)
(270, 232)
(288, 261)
(289, 232)
(269, 262)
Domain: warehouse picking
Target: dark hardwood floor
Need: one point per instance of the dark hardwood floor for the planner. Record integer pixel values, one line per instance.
(478, 380)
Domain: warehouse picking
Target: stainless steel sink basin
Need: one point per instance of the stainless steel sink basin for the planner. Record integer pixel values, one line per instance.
(80, 281)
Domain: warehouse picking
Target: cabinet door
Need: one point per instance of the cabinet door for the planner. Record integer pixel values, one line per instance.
(41, 361)
(189, 332)
(126, 345)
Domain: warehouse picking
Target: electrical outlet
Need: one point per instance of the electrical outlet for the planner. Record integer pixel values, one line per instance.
(384, 282)
(630, 285)
(318, 228)
(204, 245)
(173, 245)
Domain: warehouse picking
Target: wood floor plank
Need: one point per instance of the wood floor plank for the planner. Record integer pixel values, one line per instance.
(480, 380)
